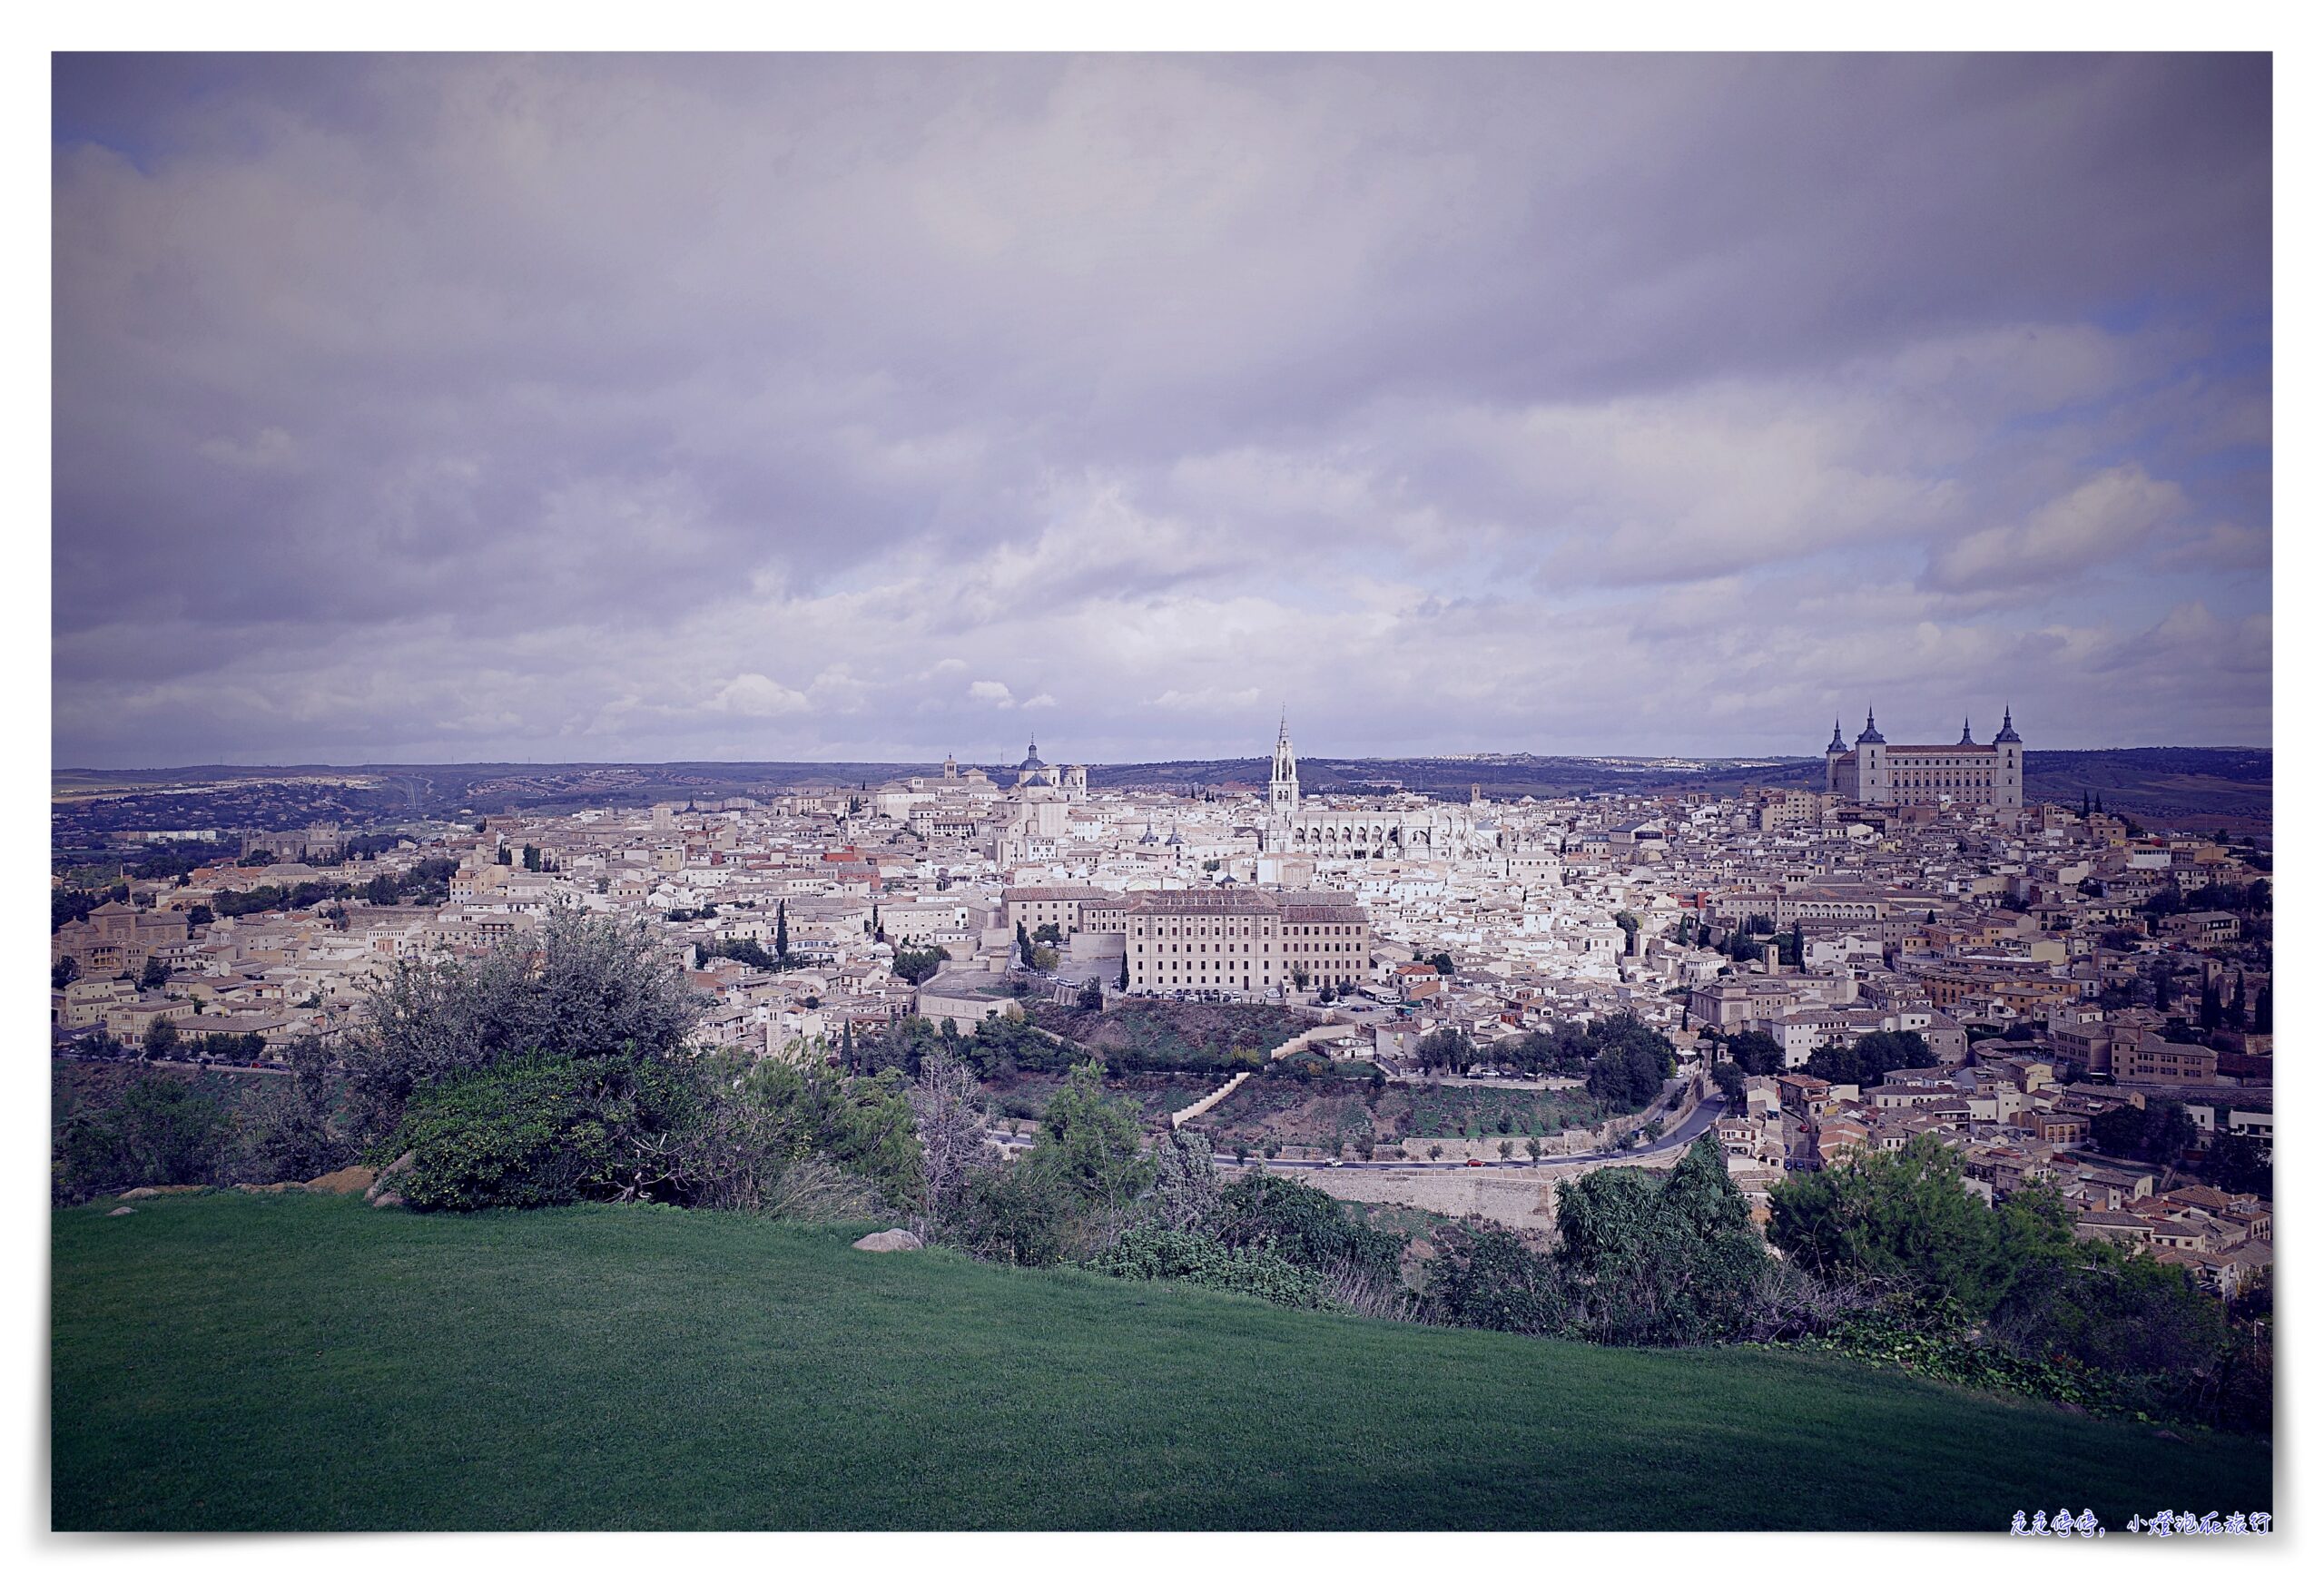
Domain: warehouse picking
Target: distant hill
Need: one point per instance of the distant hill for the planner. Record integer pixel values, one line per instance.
(2177, 788)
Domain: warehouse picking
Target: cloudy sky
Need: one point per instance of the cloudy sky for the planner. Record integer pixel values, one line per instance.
(750, 407)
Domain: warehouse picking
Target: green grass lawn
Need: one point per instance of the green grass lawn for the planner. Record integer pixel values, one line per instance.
(233, 1362)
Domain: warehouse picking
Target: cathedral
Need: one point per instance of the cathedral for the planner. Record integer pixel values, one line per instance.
(1428, 830)
(1967, 772)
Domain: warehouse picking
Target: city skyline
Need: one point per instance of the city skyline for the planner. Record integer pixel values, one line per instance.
(425, 410)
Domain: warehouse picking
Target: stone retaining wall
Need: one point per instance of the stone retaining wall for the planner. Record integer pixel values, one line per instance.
(1524, 1198)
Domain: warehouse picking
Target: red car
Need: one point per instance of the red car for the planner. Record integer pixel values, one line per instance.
(1476, 1162)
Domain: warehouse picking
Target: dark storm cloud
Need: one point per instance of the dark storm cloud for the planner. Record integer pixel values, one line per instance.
(612, 407)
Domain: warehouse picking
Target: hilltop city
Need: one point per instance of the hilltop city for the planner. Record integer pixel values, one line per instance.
(2052, 992)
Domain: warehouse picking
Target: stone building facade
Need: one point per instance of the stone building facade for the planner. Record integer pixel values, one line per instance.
(1963, 773)
(1431, 829)
(1241, 941)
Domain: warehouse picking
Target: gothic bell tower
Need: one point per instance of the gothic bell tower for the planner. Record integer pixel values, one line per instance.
(1283, 788)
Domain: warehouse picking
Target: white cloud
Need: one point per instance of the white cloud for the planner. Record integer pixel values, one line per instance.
(995, 694)
(2107, 519)
(757, 696)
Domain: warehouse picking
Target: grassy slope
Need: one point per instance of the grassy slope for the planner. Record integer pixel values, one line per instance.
(292, 1362)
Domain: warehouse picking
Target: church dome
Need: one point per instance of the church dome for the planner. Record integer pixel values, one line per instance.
(1032, 759)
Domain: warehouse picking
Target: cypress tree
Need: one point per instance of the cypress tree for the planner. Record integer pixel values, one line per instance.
(781, 936)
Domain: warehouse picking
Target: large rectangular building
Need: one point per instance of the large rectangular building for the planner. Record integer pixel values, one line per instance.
(1967, 773)
(1244, 941)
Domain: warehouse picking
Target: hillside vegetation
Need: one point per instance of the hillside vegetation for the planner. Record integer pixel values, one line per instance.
(287, 1363)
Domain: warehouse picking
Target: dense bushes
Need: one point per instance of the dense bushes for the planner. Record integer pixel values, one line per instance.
(1638, 1261)
(719, 1131)
(289, 1128)
(1305, 1225)
(2015, 1279)
(159, 1132)
(589, 988)
(1148, 1251)
(520, 1134)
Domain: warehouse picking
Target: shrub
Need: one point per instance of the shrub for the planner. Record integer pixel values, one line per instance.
(290, 1131)
(159, 1132)
(549, 1128)
(1148, 1251)
(750, 1122)
(1485, 1277)
(587, 987)
(1015, 1216)
(1305, 1225)
(518, 1135)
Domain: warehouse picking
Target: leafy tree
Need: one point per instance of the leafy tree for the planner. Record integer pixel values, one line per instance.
(290, 1130)
(585, 987)
(917, 964)
(1757, 1054)
(1048, 934)
(2240, 1163)
(1442, 962)
(161, 1040)
(1092, 997)
(1675, 1262)
(65, 972)
(1090, 1144)
(2160, 1133)
(1631, 1063)
(1870, 1059)
(198, 916)
(155, 974)
(1729, 1077)
(159, 1132)
(1902, 1221)
(1446, 1049)
(748, 952)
